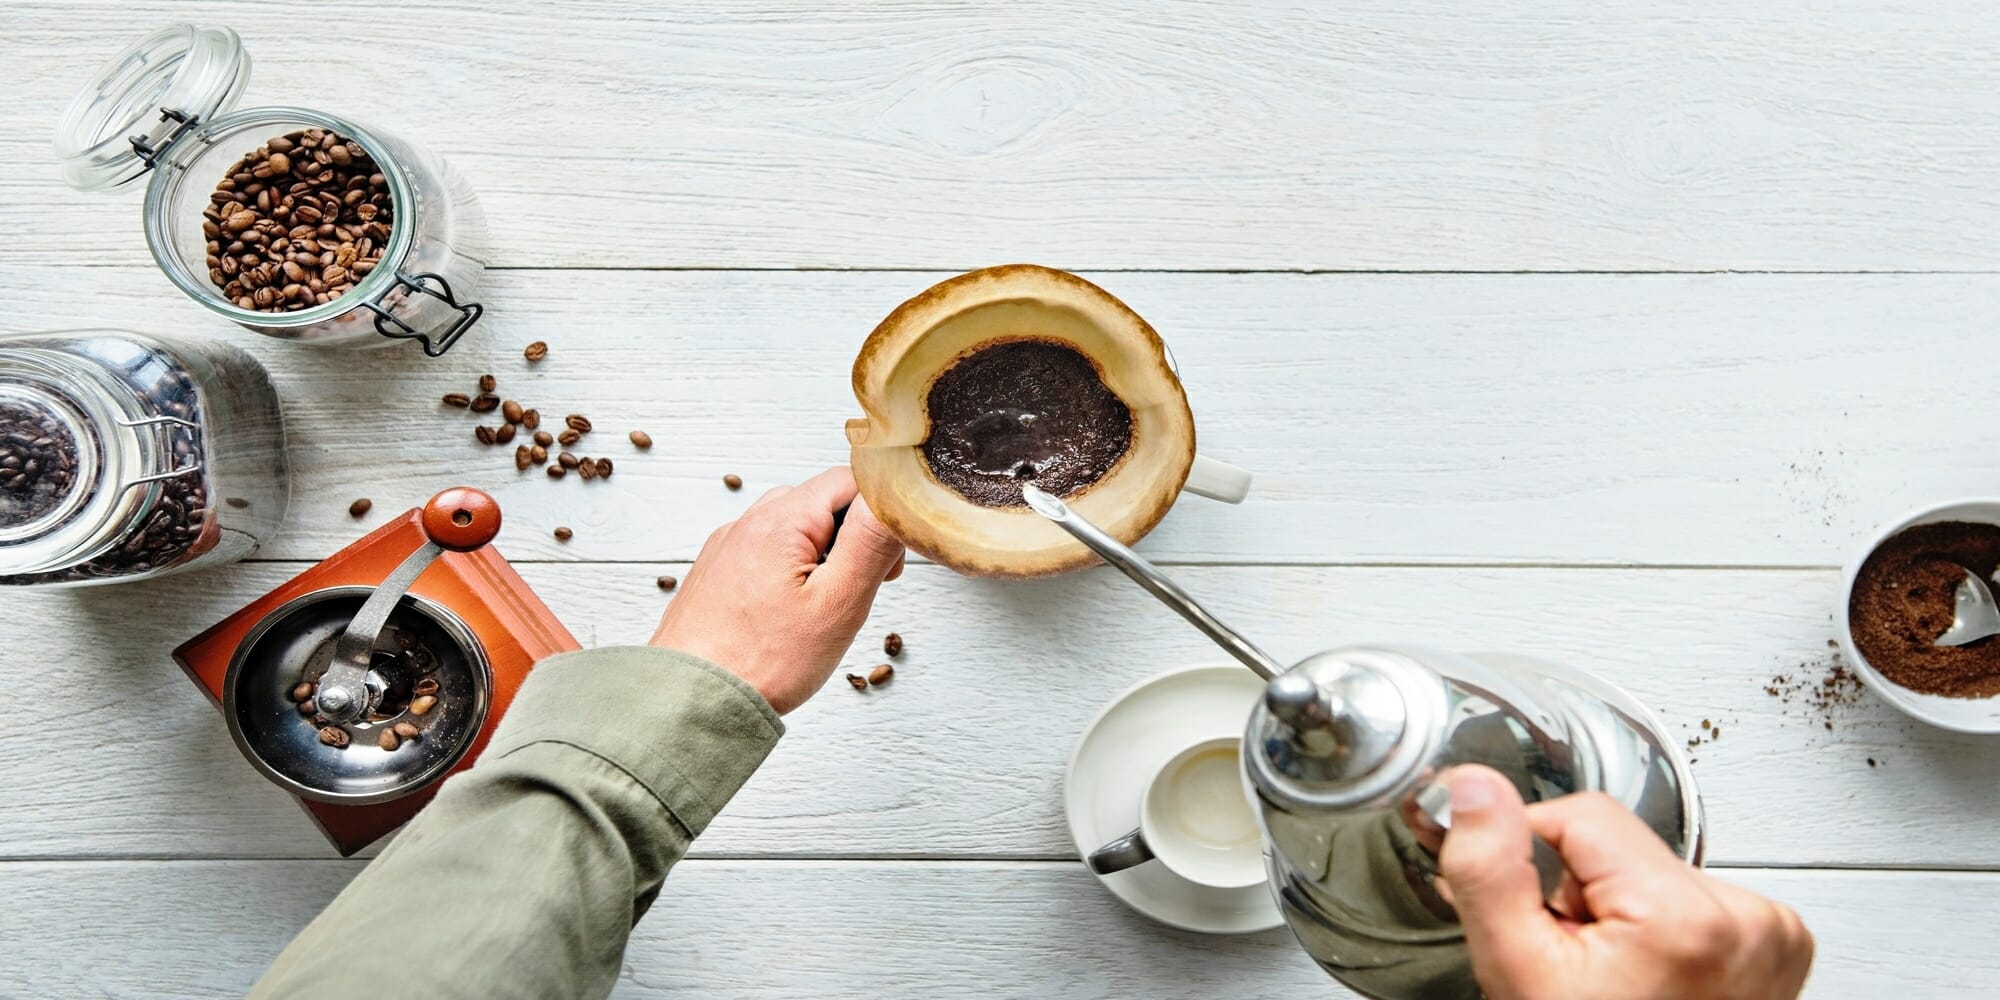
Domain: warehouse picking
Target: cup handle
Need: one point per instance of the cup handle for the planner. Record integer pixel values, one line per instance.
(1217, 480)
(1120, 854)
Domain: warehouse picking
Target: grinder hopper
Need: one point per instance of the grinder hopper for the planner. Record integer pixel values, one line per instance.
(439, 634)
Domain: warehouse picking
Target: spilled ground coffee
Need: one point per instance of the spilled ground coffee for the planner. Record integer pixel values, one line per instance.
(1023, 410)
(1903, 599)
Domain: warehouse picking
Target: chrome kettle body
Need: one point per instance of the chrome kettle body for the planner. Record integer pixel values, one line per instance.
(1341, 759)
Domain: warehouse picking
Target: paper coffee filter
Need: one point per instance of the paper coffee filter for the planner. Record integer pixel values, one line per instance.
(926, 335)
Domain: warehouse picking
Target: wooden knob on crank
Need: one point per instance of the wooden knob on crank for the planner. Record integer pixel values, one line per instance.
(461, 519)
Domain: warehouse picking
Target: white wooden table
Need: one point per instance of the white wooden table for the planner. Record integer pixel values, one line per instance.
(1559, 327)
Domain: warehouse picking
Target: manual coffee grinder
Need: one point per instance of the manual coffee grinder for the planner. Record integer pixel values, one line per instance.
(365, 681)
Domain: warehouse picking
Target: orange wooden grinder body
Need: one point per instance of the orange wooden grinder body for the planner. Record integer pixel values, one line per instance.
(470, 578)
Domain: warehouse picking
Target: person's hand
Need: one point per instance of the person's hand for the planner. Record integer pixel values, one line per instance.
(1631, 921)
(759, 603)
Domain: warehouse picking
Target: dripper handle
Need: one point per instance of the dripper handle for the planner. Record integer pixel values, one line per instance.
(461, 519)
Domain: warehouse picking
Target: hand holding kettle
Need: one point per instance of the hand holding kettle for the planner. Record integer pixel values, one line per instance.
(1630, 922)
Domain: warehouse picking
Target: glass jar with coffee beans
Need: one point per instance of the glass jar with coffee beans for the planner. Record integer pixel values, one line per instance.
(292, 222)
(124, 457)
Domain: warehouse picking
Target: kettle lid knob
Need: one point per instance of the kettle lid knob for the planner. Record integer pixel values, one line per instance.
(1341, 725)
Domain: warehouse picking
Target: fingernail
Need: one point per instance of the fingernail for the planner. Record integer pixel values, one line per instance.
(1470, 792)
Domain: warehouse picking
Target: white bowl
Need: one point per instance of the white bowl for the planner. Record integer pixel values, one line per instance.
(1965, 715)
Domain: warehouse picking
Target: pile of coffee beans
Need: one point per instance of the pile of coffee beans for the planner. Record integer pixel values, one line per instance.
(38, 459)
(297, 222)
(517, 419)
(411, 658)
(892, 644)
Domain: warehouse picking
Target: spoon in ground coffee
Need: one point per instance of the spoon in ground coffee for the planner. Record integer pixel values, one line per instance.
(1147, 575)
(1975, 615)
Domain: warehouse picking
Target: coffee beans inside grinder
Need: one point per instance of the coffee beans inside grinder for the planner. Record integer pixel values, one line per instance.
(165, 109)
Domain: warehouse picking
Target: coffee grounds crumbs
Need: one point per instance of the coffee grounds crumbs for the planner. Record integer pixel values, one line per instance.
(1903, 599)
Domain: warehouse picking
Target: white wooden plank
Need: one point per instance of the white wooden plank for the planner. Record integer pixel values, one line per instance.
(1745, 420)
(884, 929)
(1390, 134)
(107, 751)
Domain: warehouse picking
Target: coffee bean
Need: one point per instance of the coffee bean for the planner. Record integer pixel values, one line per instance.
(485, 402)
(578, 422)
(733, 481)
(544, 438)
(858, 682)
(428, 685)
(881, 674)
(523, 457)
(388, 740)
(511, 411)
(483, 433)
(422, 704)
(892, 644)
(458, 399)
(407, 730)
(536, 351)
(360, 508)
(557, 472)
(503, 434)
(667, 583)
(569, 437)
(303, 690)
(488, 383)
(564, 534)
(531, 419)
(538, 454)
(334, 736)
(237, 502)
(308, 709)
(604, 468)
(586, 468)
(568, 460)
(641, 440)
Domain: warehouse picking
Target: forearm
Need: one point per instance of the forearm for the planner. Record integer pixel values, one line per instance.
(524, 876)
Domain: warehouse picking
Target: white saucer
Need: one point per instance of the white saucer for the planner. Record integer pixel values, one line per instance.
(1120, 750)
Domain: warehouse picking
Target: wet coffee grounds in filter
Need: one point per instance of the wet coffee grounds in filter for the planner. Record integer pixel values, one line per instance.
(1903, 600)
(38, 458)
(1023, 411)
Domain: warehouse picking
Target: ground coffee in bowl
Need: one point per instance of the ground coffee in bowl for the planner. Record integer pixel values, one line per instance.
(1903, 599)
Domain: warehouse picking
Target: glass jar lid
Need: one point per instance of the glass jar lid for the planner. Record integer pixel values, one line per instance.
(145, 99)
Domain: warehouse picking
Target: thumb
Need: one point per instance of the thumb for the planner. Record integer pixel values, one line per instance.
(1493, 884)
(864, 554)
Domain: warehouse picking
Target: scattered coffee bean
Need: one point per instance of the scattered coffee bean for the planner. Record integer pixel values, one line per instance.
(667, 583)
(578, 422)
(511, 411)
(881, 674)
(641, 440)
(485, 403)
(422, 704)
(407, 730)
(334, 736)
(544, 438)
(587, 468)
(564, 534)
(733, 481)
(305, 214)
(531, 419)
(428, 685)
(604, 468)
(457, 399)
(569, 437)
(388, 740)
(892, 644)
(523, 457)
(538, 454)
(237, 502)
(536, 351)
(488, 383)
(484, 434)
(557, 472)
(303, 690)
(360, 508)
(503, 434)
(859, 682)
(568, 461)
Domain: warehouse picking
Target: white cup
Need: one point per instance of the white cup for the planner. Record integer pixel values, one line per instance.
(1195, 818)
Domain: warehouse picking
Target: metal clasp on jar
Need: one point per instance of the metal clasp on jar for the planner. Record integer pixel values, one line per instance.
(389, 325)
(194, 464)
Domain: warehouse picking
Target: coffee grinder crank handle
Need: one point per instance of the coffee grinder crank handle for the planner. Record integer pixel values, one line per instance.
(460, 519)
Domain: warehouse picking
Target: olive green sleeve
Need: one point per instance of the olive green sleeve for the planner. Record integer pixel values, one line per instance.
(524, 876)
